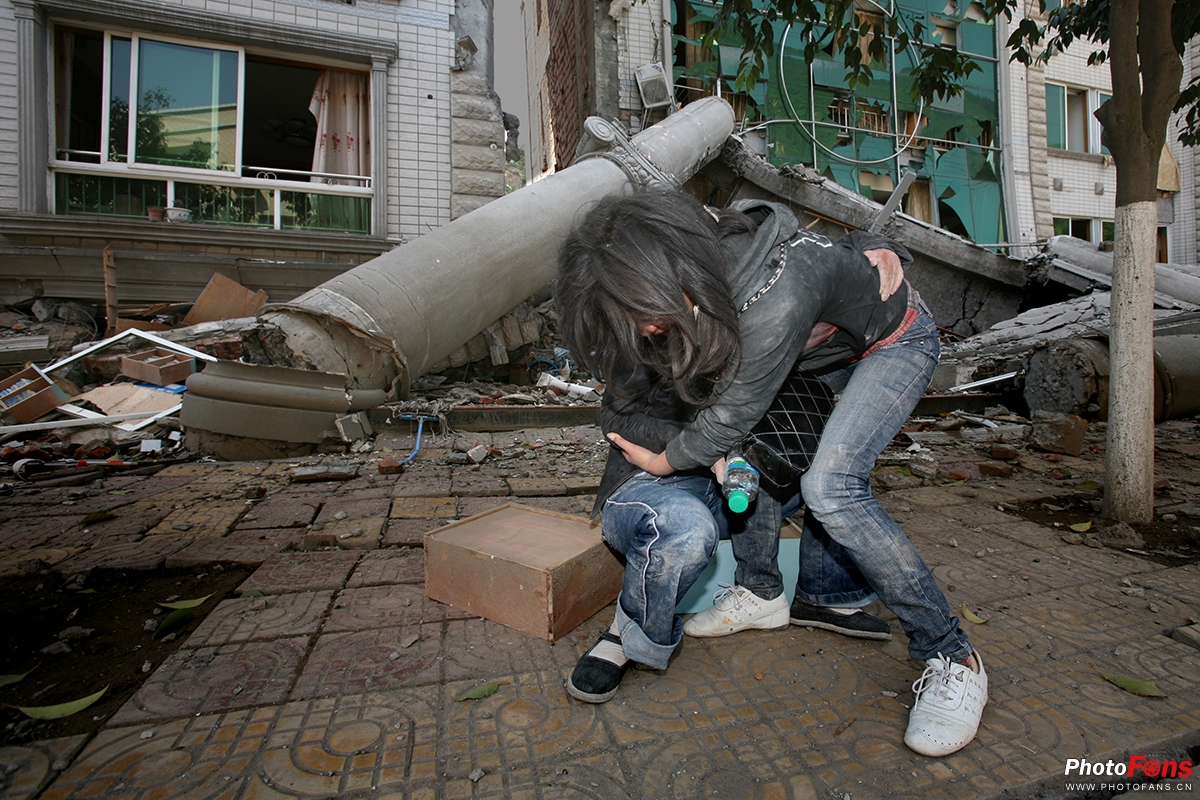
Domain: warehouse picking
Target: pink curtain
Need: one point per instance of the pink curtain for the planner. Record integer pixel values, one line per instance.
(341, 104)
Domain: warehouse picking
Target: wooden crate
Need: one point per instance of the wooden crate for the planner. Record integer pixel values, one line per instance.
(29, 394)
(158, 366)
(539, 572)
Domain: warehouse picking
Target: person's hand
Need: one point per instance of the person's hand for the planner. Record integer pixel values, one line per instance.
(891, 271)
(719, 470)
(642, 458)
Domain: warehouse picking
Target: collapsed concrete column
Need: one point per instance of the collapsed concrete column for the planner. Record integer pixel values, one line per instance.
(1070, 376)
(385, 322)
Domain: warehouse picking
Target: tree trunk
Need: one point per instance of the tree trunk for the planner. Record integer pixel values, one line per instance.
(1129, 455)
(1146, 72)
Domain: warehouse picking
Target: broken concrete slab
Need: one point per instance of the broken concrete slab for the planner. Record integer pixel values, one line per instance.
(1058, 433)
(324, 472)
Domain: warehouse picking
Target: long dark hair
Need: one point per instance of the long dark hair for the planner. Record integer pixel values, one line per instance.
(632, 260)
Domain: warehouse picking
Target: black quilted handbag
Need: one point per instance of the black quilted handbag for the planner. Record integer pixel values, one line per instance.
(782, 445)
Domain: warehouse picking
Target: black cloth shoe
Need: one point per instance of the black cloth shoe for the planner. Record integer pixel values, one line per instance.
(860, 624)
(595, 680)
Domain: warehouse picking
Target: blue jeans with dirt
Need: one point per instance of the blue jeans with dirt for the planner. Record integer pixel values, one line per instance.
(667, 530)
(851, 550)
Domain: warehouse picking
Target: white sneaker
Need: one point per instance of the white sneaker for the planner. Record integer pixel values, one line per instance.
(736, 608)
(950, 701)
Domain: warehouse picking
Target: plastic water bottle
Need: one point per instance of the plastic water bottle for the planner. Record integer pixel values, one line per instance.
(741, 483)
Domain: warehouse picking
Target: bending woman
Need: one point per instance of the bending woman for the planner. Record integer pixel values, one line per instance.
(725, 306)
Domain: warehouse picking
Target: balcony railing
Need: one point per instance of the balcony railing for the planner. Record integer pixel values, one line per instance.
(262, 201)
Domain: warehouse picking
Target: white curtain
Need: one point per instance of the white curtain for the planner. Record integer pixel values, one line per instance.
(341, 104)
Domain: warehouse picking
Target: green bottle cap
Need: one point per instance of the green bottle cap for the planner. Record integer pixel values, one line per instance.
(739, 501)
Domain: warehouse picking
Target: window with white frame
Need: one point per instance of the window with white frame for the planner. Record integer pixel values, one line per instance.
(1070, 118)
(239, 138)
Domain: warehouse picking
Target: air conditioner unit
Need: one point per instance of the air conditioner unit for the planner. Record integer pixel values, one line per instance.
(654, 87)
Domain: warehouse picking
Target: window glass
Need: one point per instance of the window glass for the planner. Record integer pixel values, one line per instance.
(187, 105)
(1056, 108)
(1077, 120)
(1062, 226)
(120, 52)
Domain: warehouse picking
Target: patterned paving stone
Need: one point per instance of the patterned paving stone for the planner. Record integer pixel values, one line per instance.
(24, 562)
(1107, 560)
(470, 506)
(35, 530)
(387, 567)
(528, 721)
(587, 484)
(252, 547)
(210, 679)
(376, 607)
(1029, 534)
(355, 534)
(318, 748)
(246, 619)
(432, 455)
(1180, 583)
(945, 543)
(580, 505)
(480, 649)
(134, 519)
(928, 497)
(359, 661)
(999, 576)
(425, 483)
(131, 487)
(300, 572)
(92, 503)
(287, 510)
(26, 769)
(358, 506)
(202, 521)
(408, 532)
(146, 554)
(1092, 615)
(536, 487)
(424, 508)
(478, 485)
(976, 515)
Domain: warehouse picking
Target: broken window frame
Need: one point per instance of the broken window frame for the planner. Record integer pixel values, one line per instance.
(112, 181)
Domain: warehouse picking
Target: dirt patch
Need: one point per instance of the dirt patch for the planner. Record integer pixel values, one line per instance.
(75, 637)
(1172, 541)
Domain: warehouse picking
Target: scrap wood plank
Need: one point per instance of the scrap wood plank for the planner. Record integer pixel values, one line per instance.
(224, 298)
(20, 349)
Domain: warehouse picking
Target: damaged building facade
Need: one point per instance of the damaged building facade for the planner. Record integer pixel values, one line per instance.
(1013, 160)
(278, 143)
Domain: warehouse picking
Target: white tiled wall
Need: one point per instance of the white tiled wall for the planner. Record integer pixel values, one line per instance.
(418, 102)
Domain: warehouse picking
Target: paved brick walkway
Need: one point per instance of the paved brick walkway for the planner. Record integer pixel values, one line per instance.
(331, 674)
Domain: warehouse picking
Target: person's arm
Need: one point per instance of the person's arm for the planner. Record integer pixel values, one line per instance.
(642, 418)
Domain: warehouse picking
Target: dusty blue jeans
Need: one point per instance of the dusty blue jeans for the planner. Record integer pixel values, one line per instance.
(666, 529)
(852, 549)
